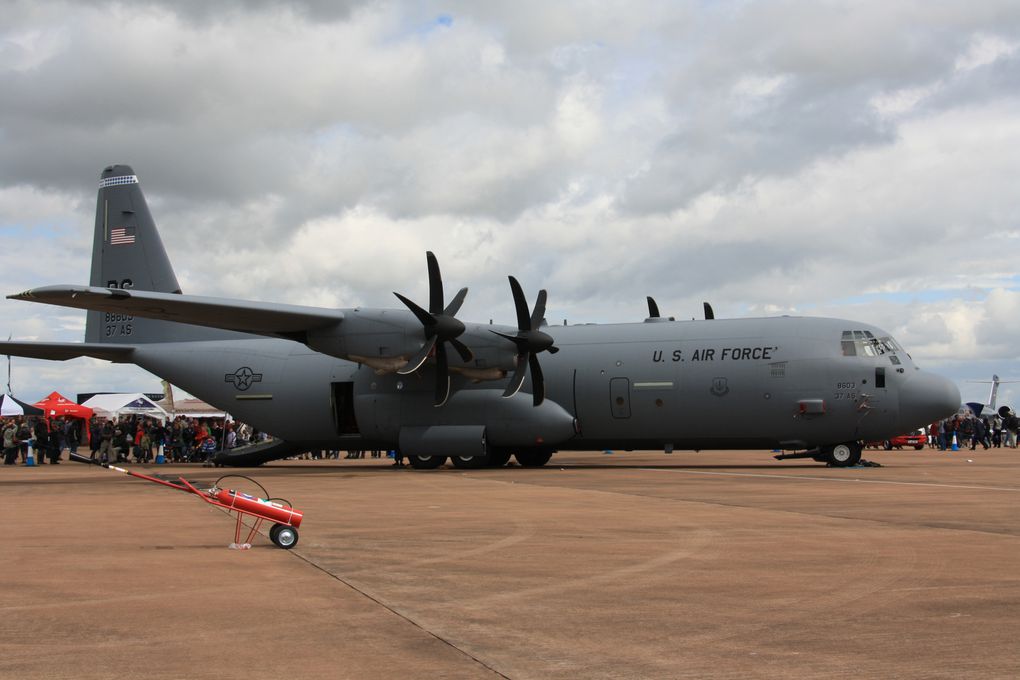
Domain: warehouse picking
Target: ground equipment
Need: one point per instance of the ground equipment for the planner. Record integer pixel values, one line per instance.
(285, 518)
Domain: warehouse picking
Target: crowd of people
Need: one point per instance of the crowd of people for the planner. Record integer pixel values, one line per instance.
(970, 431)
(189, 440)
(131, 438)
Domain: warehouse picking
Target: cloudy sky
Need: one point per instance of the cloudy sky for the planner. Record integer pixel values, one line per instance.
(855, 159)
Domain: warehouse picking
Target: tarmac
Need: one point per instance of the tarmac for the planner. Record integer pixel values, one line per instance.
(624, 565)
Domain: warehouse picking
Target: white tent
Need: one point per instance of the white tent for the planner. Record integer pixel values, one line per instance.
(112, 405)
(191, 408)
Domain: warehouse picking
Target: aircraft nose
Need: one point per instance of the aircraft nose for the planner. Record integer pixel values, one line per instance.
(926, 398)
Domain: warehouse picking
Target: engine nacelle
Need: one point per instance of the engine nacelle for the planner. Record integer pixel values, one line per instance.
(385, 339)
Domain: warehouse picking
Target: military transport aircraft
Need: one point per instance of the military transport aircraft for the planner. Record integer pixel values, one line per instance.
(420, 380)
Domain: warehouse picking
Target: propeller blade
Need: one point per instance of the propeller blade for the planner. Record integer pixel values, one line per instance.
(539, 312)
(514, 386)
(653, 309)
(520, 304)
(435, 284)
(463, 350)
(537, 379)
(423, 316)
(442, 376)
(529, 341)
(709, 314)
(415, 362)
(458, 300)
(520, 342)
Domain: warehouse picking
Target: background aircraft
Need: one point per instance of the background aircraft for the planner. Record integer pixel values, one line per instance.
(419, 379)
(989, 408)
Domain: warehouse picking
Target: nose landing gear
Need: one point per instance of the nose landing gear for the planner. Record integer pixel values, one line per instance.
(846, 454)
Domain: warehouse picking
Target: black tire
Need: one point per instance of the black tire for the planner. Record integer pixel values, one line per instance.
(498, 459)
(426, 462)
(847, 454)
(284, 536)
(887, 445)
(533, 458)
(469, 462)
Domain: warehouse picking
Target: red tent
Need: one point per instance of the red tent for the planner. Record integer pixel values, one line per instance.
(56, 405)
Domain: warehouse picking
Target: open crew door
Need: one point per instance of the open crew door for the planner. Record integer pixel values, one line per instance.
(343, 408)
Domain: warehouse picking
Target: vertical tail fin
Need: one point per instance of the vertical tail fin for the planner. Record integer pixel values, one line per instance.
(127, 252)
(994, 393)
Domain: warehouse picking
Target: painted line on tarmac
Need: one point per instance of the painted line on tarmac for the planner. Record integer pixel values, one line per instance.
(392, 609)
(934, 485)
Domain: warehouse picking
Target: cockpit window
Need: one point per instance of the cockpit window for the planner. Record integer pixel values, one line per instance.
(849, 348)
(864, 343)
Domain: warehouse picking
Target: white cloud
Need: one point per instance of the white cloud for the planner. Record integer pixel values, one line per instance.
(985, 50)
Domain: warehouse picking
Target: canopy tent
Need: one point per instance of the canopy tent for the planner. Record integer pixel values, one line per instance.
(9, 406)
(136, 403)
(191, 408)
(58, 405)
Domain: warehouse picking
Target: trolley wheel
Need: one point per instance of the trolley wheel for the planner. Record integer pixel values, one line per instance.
(283, 536)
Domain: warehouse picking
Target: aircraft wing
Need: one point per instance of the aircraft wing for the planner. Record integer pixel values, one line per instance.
(262, 318)
(62, 351)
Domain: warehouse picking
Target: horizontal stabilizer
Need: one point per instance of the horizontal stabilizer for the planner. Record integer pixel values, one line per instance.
(62, 351)
(262, 318)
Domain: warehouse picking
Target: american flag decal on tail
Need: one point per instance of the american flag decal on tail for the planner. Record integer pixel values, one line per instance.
(122, 235)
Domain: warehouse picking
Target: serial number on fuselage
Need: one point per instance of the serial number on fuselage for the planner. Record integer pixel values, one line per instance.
(715, 354)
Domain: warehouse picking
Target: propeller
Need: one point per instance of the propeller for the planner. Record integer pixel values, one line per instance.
(530, 342)
(441, 327)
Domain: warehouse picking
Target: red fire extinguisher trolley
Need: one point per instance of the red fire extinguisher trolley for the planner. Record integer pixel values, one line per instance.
(286, 519)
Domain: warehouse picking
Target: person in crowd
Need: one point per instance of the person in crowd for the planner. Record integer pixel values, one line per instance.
(996, 427)
(10, 441)
(24, 436)
(95, 437)
(122, 441)
(230, 438)
(41, 435)
(936, 436)
(69, 434)
(979, 434)
(180, 442)
(1010, 425)
(105, 439)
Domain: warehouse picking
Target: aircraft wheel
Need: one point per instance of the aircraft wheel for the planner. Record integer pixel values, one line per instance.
(469, 462)
(498, 459)
(918, 448)
(845, 455)
(426, 462)
(533, 458)
(283, 536)
(887, 445)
